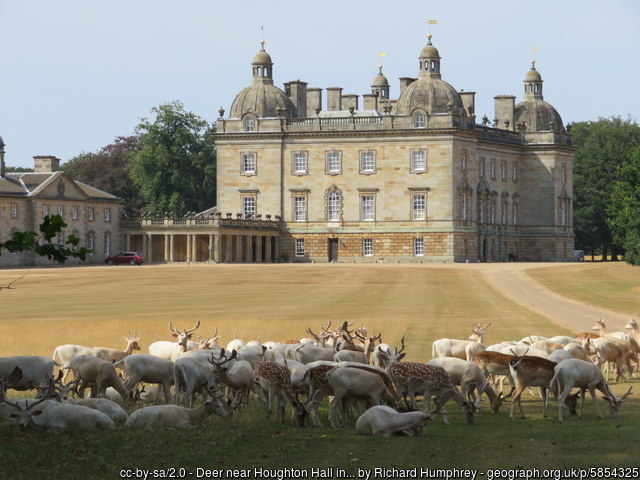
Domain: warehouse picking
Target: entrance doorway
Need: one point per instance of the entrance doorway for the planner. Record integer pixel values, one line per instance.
(332, 248)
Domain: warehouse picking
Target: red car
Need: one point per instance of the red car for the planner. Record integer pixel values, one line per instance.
(132, 258)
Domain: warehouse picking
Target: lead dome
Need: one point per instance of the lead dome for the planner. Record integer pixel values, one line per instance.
(533, 114)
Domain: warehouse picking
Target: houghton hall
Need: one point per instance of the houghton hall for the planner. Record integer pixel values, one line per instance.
(408, 175)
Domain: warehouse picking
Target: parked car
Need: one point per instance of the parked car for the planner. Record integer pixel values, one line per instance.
(132, 258)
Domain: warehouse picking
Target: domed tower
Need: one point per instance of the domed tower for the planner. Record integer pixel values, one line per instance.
(429, 92)
(261, 99)
(533, 114)
(380, 85)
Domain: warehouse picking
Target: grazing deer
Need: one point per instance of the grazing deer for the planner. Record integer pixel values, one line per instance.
(385, 421)
(530, 371)
(572, 373)
(276, 379)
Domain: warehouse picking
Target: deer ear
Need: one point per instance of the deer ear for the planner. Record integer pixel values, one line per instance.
(401, 356)
(174, 334)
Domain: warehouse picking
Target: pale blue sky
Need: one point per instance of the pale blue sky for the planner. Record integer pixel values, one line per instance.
(76, 74)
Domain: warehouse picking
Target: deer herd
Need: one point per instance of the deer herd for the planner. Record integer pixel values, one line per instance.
(350, 365)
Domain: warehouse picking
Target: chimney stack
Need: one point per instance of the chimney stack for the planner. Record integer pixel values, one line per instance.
(46, 164)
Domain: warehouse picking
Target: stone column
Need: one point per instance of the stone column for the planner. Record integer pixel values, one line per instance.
(145, 251)
(150, 247)
(171, 247)
(277, 240)
(166, 247)
(194, 247)
(127, 241)
(239, 249)
(267, 250)
(188, 248)
(217, 245)
(228, 249)
(259, 249)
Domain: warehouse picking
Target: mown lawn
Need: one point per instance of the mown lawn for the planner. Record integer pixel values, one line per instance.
(98, 305)
(612, 285)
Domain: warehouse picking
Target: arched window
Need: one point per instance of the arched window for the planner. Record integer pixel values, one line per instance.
(418, 120)
(334, 204)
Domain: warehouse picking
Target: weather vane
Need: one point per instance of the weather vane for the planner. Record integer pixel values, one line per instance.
(380, 56)
(430, 22)
(533, 55)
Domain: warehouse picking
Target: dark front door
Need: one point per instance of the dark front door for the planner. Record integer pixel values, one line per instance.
(333, 249)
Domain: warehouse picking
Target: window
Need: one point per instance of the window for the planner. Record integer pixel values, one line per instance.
(107, 214)
(418, 161)
(492, 168)
(60, 239)
(505, 206)
(74, 213)
(45, 210)
(481, 167)
(367, 208)
(107, 244)
(90, 214)
(418, 247)
(14, 210)
(367, 247)
(419, 206)
(248, 166)
(367, 162)
(249, 124)
(503, 169)
(299, 247)
(300, 209)
(514, 213)
(418, 120)
(514, 171)
(61, 211)
(334, 205)
(563, 173)
(90, 240)
(299, 163)
(463, 163)
(334, 162)
(248, 207)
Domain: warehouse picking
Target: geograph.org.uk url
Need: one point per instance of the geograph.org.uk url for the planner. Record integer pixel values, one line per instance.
(388, 472)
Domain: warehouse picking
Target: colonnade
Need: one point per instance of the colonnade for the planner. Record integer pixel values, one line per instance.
(218, 247)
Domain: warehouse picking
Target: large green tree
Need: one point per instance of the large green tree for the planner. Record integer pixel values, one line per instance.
(174, 167)
(108, 170)
(624, 211)
(603, 146)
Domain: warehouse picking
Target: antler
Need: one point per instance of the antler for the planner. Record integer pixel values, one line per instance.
(192, 329)
(173, 329)
(398, 352)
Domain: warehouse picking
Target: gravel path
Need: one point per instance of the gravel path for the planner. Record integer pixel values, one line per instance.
(512, 281)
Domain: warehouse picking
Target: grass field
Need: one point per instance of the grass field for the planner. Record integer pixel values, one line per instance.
(615, 286)
(98, 305)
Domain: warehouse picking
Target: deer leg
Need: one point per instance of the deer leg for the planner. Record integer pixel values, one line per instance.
(516, 400)
(592, 392)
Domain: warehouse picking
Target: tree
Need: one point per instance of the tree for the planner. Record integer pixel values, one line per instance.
(18, 169)
(603, 146)
(624, 210)
(174, 167)
(42, 243)
(108, 170)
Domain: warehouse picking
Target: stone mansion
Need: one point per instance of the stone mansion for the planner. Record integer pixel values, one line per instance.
(306, 174)
(406, 179)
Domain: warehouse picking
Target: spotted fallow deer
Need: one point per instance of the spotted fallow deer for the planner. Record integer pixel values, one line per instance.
(412, 378)
(276, 379)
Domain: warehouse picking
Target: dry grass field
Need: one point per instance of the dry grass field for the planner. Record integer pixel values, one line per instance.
(615, 286)
(96, 306)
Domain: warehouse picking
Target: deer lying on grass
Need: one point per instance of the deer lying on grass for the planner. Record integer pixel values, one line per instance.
(385, 421)
(530, 372)
(172, 350)
(463, 349)
(175, 416)
(148, 369)
(572, 373)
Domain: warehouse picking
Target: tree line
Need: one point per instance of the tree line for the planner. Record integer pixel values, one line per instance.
(167, 167)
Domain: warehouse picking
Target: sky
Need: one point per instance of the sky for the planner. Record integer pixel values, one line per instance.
(76, 74)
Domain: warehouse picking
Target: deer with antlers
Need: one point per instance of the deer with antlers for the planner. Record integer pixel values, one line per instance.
(463, 349)
(172, 350)
(238, 375)
(114, 355)
(572, 373)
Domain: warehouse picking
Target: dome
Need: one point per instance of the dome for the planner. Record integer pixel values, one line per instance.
(433, 94)
(533, 75)
(2, 144)
(262, 57)
(429, 51)
(538, 116)
(380, 80)
(261, 100)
